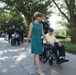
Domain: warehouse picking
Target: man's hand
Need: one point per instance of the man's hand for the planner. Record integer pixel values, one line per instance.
(47, 42)
(51, 44)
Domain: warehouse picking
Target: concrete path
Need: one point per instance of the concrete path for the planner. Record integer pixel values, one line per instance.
(17, 60)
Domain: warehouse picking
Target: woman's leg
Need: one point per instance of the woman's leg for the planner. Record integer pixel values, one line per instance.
(38, 63)
(34, 60)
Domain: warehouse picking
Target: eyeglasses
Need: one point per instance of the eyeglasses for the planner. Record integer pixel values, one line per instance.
(38, 16)
(50, 30)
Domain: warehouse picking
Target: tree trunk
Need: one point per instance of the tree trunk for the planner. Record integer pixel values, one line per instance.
(73, 30)
(29, 19)
(72, 22)
(73, 35)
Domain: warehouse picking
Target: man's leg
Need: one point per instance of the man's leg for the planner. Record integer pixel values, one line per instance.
(61, 50)
(9, 39)
(22, 39)
(54, 50)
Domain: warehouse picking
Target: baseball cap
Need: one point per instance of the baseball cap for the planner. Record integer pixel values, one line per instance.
(50, 29)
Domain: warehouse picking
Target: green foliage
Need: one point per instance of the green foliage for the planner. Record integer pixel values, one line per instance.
(67, 9)
(65, 24)
(60, 32)
(28, 7)
(8, 19)
(13, 10)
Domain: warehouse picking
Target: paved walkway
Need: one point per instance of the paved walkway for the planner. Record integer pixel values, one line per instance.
(17, 60)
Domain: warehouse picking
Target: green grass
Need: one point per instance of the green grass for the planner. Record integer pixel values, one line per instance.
(68, 45)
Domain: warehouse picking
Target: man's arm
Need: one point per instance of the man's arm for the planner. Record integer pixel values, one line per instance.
(56, 40)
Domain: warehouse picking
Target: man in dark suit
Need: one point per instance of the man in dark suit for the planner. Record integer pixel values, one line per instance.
(21, 34)
(13, 29)
(45, 24)
(9, 34)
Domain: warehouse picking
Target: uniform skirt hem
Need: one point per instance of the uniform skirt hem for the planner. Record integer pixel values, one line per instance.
(36, 53)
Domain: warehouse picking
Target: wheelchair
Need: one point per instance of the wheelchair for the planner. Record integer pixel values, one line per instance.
(12, 41)
(47, 55)
(15, 41)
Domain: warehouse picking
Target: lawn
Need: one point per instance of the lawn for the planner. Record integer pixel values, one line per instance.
(68, 45)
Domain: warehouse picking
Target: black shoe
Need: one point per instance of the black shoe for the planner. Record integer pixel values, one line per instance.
(59, 61)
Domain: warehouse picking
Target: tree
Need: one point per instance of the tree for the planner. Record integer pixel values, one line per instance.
(28, 7)
(71, 10)
(65, 24)
(7, 19)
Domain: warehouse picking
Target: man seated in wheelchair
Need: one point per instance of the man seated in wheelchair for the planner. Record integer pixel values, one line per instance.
(57, 48)
(16, 38)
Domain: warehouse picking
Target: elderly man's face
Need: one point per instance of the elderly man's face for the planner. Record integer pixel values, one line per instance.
(50, 32)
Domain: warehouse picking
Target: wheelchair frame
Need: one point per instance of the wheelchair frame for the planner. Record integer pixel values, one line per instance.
(47, 55)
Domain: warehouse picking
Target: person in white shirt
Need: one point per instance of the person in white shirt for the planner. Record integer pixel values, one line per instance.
(16, 37)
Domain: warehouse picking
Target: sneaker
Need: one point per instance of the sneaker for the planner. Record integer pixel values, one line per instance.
(64, 60)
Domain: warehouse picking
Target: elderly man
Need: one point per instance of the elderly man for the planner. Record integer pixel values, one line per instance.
(56, 46)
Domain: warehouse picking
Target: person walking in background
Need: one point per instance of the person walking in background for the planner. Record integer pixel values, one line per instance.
(6, 34)
(18, 31)
(15, 38)
(35, 32)
(13, 29)
(9, 32)
(21, 34)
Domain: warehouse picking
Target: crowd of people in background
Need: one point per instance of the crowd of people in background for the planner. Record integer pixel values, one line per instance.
(14, 35)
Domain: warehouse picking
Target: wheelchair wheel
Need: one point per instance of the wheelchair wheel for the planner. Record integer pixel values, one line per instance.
(12, 42)
(43, 59)
(51, 61)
